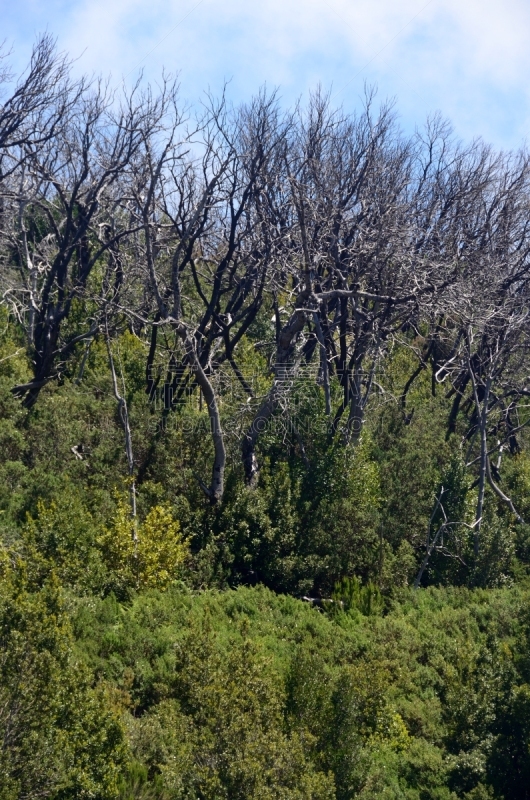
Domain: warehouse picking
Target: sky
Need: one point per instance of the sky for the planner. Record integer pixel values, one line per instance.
(467, 59)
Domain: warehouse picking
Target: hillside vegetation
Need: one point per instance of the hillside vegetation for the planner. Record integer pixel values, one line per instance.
(264, 457)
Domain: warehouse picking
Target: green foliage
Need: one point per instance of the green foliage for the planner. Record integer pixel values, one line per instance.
(186, 678)
(147, 553)
(411, 451)
(349, 595)
(424, 701)
(63, 538)
(59, 736)
(301, 532)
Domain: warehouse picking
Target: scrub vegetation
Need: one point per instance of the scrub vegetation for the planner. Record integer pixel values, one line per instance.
(264, 455)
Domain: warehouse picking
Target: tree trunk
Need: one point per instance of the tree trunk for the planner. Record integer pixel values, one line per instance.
(284, 371)
(216, 488)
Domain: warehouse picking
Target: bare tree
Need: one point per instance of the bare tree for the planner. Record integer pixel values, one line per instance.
(485, 335)
(204, 209)
(69, 209)
(349, 246)
(32, 111)
(123, 413)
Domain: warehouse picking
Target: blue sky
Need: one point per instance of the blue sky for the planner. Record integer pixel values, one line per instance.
(468, 59)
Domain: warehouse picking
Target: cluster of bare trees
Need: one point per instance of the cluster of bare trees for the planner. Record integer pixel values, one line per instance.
(190, 226)
(479, 336)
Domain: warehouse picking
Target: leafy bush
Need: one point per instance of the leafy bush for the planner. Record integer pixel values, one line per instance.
(146, 553)
(60, 737)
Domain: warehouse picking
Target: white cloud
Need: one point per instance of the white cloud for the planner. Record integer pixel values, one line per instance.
(470, 59)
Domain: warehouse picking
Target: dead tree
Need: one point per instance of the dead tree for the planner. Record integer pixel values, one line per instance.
(33, 107)
(69, 210)
(348, 247)
(206, 249)
(486, 330)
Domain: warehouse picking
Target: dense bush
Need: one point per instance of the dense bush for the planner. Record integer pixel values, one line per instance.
(264, 451)
(61, 735)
